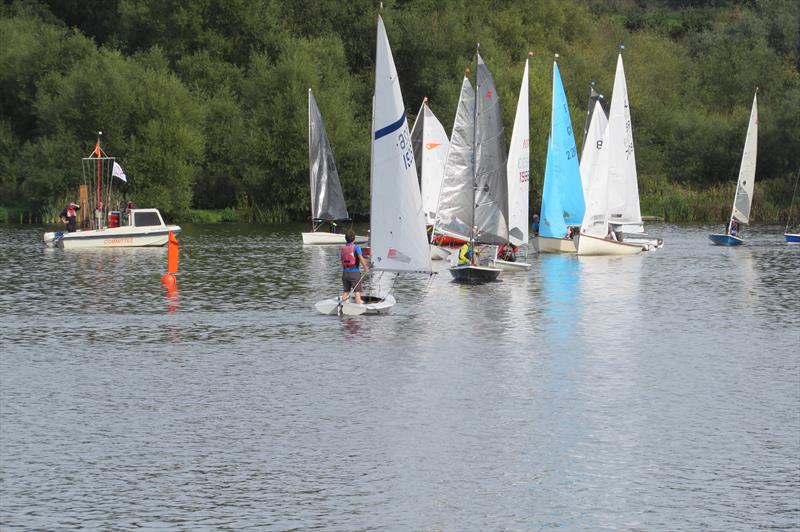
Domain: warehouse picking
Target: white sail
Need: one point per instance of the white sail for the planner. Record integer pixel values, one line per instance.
(398, 238)
(430, 154)
(747, 171)
(518, 168)
(594, 175)
(592, 145)
(623, 193)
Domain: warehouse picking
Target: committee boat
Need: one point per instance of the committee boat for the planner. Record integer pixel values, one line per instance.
(145, 227)
(109, 229)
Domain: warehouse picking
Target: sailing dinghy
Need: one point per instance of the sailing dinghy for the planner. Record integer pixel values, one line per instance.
(399, 242)
(743, 199)
(327, 199)
(562, 193)
(473, 203)
(518, 175)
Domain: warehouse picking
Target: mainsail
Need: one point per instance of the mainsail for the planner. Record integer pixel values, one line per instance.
(747, 171)
(562, 195)
(491, 187)
(327, 200)
(398, 238)
(454, 214)
(623, 193)
(593, 144)
(518, 168)
(430, 153)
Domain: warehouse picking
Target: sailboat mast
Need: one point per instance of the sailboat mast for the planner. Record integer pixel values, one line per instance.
(472, 234)
(310, 169)
(99, 172)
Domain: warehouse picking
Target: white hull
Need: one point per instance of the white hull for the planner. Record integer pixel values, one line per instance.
(556, 245)
(373, 305)
(441, 253)
(115, 237)
(508, 266)
(592, 245)
(648, 244)
(321, 237)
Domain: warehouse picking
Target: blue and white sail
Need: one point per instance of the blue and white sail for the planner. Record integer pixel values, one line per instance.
(562, 197)
(398, 239)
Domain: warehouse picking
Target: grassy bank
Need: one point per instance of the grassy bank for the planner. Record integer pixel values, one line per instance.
(675, 202)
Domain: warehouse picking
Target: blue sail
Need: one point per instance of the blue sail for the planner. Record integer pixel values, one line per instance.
(562, 197)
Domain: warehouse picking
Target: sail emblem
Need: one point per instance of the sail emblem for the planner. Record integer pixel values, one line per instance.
(432, 145)
(489, 94)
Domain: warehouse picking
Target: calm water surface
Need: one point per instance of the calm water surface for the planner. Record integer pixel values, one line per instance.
(657, 392)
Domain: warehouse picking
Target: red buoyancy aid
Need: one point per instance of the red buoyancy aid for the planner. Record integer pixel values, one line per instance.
(348, 253)
(71, 212)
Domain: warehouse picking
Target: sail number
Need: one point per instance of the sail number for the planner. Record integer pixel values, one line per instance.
(406, 151)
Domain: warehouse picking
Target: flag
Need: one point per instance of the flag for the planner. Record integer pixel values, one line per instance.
(117, 172)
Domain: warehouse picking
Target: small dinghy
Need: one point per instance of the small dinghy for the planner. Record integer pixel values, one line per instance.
(743, 200)
(398, 239)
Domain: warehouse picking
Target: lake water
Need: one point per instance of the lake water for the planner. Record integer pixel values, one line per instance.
(656, 392)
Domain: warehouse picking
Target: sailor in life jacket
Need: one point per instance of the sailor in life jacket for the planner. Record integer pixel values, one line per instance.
(465, 254)
(70, 216)
(352, 257)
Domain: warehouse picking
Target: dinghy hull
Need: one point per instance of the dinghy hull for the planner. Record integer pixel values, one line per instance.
(321, 237)
(792, 238)
(726, 240)
(556, 245)
(373, 305)
(508, 266)
(589, 245)
(469, 274)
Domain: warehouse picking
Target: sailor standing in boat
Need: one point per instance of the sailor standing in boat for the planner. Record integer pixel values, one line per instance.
(351, 274)
(70, 216)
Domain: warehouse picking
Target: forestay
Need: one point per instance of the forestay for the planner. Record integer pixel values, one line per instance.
(518, 168)
(623, 187)
(398, 239)
(747, 170)
(562, 197)
(327, 200)
(430, 154)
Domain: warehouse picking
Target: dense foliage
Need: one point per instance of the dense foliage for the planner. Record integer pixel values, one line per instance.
(204, 101)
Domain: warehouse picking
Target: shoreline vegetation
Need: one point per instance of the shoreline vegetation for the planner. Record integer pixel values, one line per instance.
(660, 200)
(205, 107)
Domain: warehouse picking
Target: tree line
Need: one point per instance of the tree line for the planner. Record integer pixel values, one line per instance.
(203, 102)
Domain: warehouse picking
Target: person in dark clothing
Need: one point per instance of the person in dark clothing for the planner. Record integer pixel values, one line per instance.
(70, 216)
